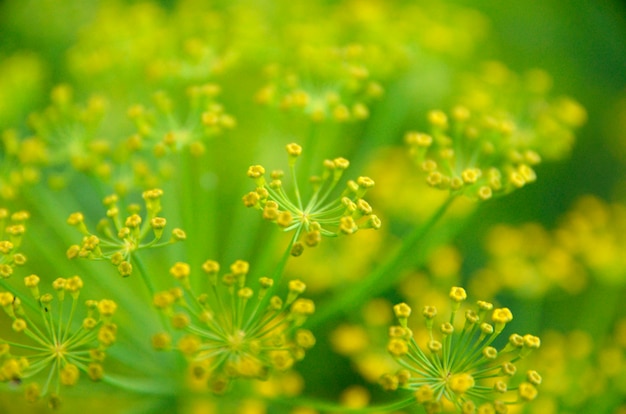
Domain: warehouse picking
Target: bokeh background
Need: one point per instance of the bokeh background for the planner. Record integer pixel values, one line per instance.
(582, 44)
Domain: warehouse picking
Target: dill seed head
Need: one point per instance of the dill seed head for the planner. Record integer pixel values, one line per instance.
(234, 331)
(463, 368)
(64, 346)
(119, 238)
(326, 213)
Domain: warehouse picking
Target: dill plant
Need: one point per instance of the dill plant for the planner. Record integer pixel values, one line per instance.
(165, 115)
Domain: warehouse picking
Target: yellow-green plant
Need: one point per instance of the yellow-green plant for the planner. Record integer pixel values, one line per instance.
(462, 369)
(168, 114)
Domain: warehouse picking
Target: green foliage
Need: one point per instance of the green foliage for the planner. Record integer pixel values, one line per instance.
(478, 173)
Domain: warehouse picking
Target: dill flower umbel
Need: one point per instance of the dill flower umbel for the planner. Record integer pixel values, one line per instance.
(119, 247)
(338, 84)
(322, 215)
(54, 346)
(462, 370)
(164, 130)
(542, 121)
(475, 157)
(231, 331)
(485, 146)
(68, 133)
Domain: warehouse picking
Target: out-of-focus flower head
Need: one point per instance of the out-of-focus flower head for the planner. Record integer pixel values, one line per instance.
(541, 122)
(147, 45)
(489, 144)
(594, 232)
(335, 85)
(527, 261)
(163, 129)
(67, 134)
(364, 342)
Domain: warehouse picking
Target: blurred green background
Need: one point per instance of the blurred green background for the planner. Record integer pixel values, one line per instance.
(582, 44)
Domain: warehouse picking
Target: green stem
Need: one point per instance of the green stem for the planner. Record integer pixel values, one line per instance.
(140, 386)
(26, 299)
(144, 275)
(148, 282)
(382, 277)
(278, 272)
(326, 406)
(276, 277)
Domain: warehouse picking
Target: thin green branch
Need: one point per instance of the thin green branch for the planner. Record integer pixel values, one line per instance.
(329, 406)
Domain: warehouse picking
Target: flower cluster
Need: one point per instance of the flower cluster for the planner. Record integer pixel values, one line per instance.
(594, 233)
(55, 346)
(337, 85)
(167, 131)
(122, 237)
(11, 233)
(68, 134)
(230, 331)
(68, 139)
(323, 214)
(529, 260)
(541, 122)
(463, 370)
(474, 157)
(119, 43)
(143, 93)
(480, 149)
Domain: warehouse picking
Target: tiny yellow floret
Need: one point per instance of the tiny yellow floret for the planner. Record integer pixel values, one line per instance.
(402, 310)
(458, 294)
(180, 270)
(461, 383)
(502, 315)
(294, 149)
